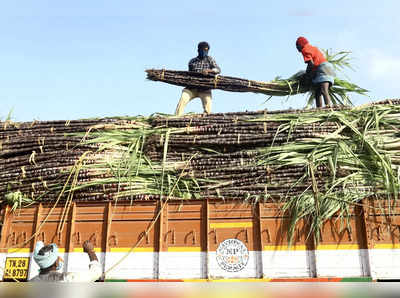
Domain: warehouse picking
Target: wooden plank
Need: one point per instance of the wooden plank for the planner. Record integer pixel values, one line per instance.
(364, 227)
(163, 227)
(6, 228)
(257, 228)
(206, 219)
(205, 226)
(108, 219)
(70, 245)
(36, 225)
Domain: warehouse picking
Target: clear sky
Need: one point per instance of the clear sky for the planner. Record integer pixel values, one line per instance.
(79, 59)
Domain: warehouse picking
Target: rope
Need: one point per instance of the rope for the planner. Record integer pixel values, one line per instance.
(162, 75)
(265, 123)
(32, 158)
(216, 81)
(23, 172)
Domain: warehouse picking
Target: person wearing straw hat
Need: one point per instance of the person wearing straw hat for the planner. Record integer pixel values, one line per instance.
(318, 69)
(206, 65)
(51, 265)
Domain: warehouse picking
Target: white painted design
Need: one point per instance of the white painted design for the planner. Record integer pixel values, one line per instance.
(252, 268)
(232, 255)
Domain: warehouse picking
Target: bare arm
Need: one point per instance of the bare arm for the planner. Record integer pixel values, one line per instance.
(95, 270)
(89, 249)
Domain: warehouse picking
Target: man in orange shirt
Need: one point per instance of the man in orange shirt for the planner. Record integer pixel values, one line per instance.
(320, 70)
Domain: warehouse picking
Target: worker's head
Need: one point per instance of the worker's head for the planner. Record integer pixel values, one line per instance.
(47, 256)
(301, 42)
(202, 49)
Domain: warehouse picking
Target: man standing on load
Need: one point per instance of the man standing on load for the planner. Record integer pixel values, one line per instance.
(51, 265)
(206, 65)
(319, 69)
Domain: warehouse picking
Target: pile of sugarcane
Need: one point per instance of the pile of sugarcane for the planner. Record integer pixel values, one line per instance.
(319, 162)
(36, 158)
(296, 84)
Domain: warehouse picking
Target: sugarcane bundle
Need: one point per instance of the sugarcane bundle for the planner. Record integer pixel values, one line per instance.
(220, 155)
(297, 84)
(198, 80)
(318, 162)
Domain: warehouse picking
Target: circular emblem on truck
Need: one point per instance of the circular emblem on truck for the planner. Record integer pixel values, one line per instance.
(232, 255)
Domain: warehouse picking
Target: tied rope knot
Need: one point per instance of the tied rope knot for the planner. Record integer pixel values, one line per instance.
(216, 80)
(162, 75)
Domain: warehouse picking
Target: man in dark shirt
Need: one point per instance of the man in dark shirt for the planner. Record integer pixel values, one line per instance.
(206, 65)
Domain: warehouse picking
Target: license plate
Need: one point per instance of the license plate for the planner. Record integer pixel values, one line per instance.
(16, 268)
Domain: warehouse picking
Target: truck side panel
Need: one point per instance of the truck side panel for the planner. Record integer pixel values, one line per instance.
(205, 239)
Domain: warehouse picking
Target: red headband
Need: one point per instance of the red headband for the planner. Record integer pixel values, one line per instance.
(301, 41)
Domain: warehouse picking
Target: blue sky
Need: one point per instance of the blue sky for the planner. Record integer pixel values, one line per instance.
(81, 59)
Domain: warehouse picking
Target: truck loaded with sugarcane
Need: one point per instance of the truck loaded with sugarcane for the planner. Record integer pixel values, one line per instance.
(307, 194)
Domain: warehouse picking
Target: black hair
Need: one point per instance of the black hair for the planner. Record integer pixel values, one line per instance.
(203, 45)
